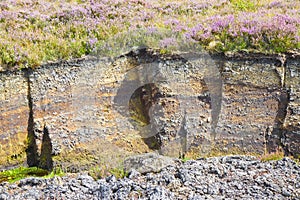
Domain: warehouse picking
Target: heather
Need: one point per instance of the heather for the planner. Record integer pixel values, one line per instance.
(34, 32)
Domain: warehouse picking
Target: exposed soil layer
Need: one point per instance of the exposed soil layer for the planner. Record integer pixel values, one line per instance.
(188, 104)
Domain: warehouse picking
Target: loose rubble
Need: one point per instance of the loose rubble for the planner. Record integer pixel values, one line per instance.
(229, 177)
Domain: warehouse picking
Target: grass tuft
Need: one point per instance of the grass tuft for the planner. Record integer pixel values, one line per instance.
(104, 171)
(278, 155)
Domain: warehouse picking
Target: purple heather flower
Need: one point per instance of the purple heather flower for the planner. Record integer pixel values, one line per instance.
(196, 29)
(172, 22)
(206, 35)
(248, 30)
(276, 4)
(168, 42)
(151, 30)
(92, 41)
(221, 22)
(180, 28)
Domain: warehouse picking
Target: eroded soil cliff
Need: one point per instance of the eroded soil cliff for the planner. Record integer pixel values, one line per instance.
(98, 111)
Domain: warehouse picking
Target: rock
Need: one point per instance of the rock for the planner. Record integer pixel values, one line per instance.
(159, 193)
(150, 162)
(4, 196)
(194, 179)
(87, 181)
(133, 173)
(31, 182)
(104, 192)
(285, 192)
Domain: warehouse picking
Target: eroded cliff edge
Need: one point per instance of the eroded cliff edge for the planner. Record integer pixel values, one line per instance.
(97, 111)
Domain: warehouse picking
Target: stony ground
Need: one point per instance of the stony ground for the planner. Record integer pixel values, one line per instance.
(229, 177)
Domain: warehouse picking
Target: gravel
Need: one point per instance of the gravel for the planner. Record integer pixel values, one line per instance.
(229, 177)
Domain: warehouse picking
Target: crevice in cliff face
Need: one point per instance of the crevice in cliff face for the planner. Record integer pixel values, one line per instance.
(32, 149)
(281, 69)
(139, 105)
(274, 141)
(275, 138)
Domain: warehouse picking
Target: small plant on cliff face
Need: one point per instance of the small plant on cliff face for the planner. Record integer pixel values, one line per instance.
(55, 172)
(297, 160)
(185, 159)
(98, 172)
(278, 155)
(118, 172)
(104, 171)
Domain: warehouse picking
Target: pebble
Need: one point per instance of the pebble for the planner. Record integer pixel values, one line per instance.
(228, 177)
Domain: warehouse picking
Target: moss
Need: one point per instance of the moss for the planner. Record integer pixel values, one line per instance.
(55, 172)
(23, 172)
(132, 144)
(195, 153)
(97, 161)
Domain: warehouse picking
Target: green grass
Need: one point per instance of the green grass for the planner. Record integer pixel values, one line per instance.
(16, 174)
(185, 159)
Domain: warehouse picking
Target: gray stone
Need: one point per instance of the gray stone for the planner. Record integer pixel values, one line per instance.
(133, 173)
(190, 180)
(4, 196)
(145, 163)
(159, 193)
(285, 192)
(104, 192)
(31, 182)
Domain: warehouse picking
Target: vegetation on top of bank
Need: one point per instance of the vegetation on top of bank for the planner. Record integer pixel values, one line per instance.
(35, 32)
